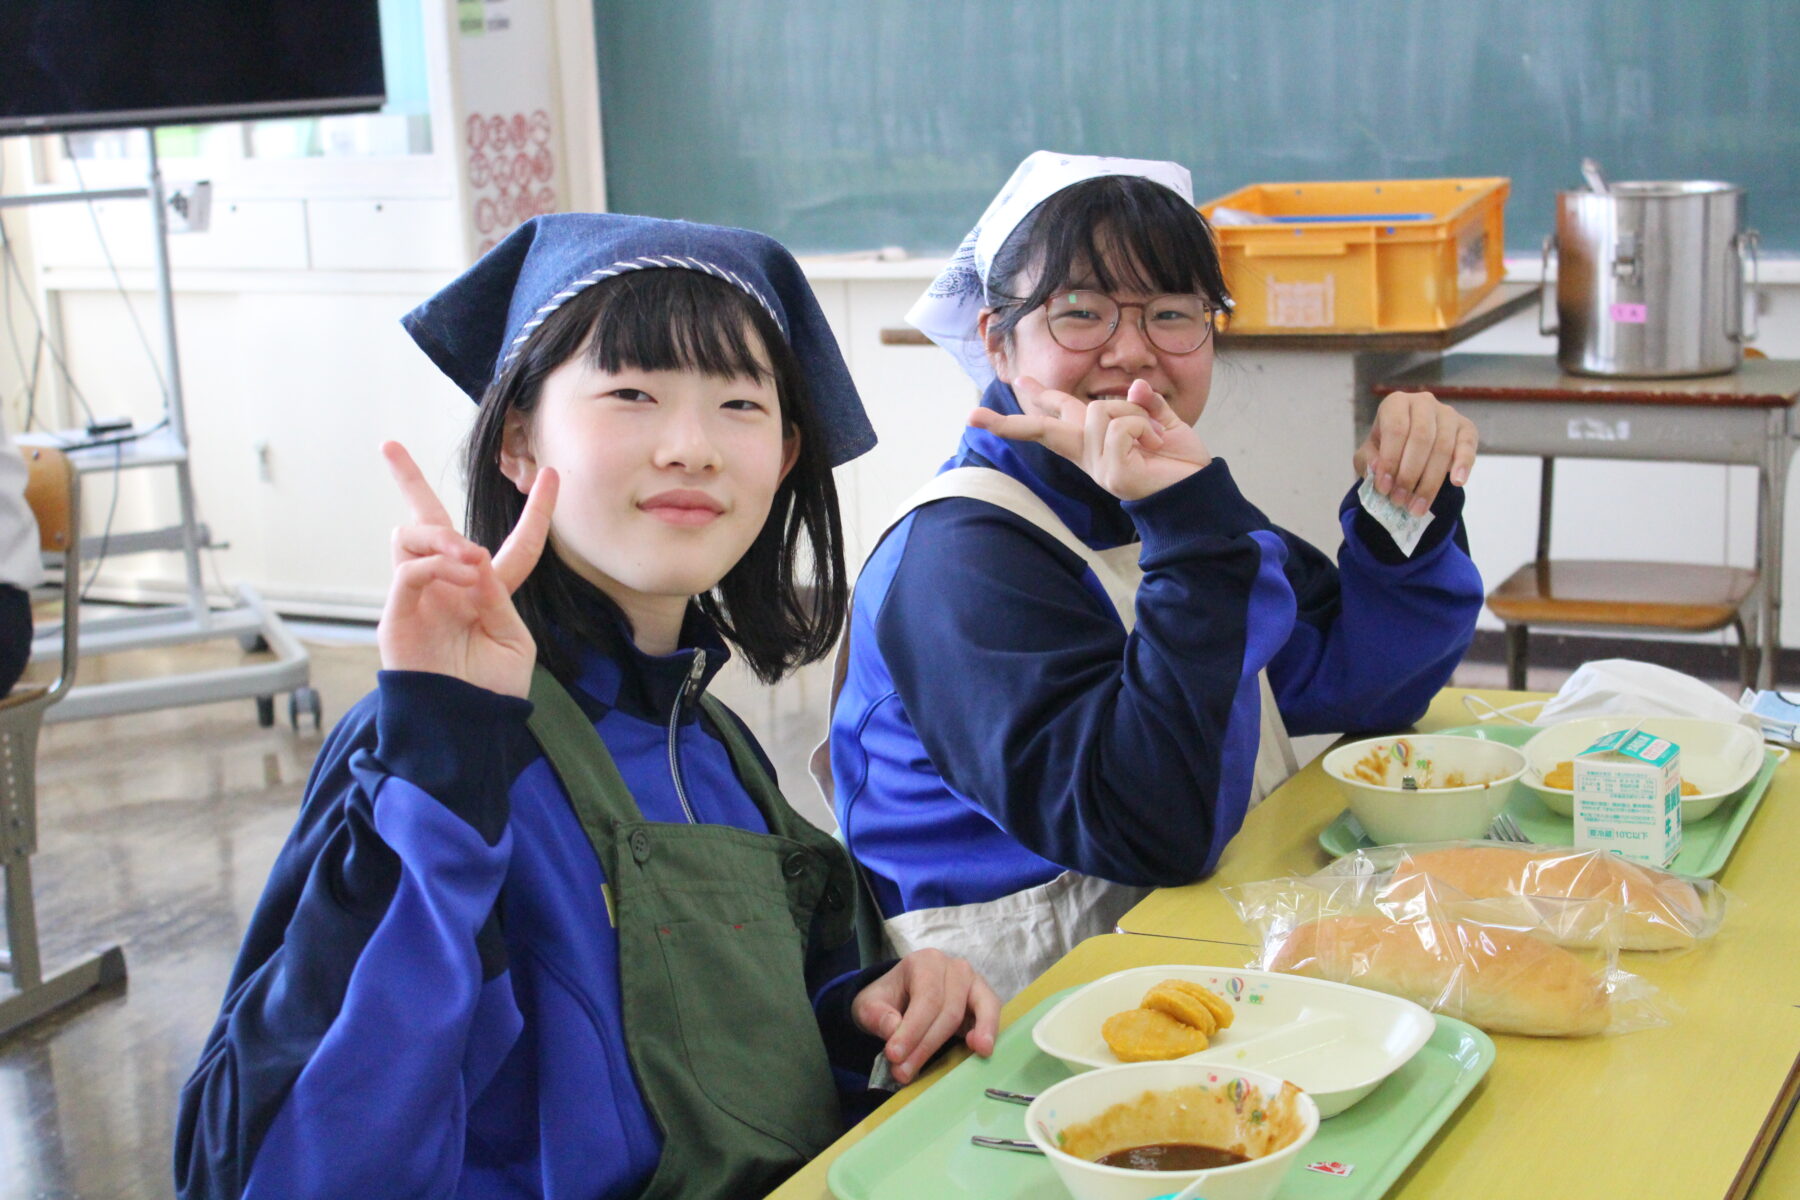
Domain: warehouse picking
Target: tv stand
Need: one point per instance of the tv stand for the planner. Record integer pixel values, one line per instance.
(165, 446)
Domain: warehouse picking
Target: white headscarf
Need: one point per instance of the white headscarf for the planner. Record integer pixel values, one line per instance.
(950, 309)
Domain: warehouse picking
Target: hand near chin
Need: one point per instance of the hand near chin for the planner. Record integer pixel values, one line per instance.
(449, 609)
(1133, 447)
(925, 1000)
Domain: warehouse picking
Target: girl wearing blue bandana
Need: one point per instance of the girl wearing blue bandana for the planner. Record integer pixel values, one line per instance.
(545, 926)
(1129, 639)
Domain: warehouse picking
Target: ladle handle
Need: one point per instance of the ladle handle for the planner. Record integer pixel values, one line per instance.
(1545, 326)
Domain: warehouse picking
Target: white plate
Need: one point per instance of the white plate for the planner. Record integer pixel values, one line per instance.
(1334, 1041)
(1716, 757)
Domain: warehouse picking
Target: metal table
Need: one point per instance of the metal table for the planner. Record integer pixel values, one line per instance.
(1525, 404)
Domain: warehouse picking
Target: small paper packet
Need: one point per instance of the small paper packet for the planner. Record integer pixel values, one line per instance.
(1402, 526)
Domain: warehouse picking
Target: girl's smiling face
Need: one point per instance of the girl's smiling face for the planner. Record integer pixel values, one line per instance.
(1184, 380)
(667, 478)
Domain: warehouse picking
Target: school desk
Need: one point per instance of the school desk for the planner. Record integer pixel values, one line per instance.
(1525, 404)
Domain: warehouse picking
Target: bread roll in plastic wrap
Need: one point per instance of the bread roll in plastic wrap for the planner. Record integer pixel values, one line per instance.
(1503, 980)
(1659, 911)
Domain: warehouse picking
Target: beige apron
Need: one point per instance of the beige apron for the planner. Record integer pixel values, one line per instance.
(1014, 939)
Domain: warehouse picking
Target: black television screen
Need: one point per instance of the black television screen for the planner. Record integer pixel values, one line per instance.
(94, 64)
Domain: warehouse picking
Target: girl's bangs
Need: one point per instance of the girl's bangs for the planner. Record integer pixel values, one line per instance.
(1122, 234)
(677, 320)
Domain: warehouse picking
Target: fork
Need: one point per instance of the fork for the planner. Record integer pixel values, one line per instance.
(1505, 829)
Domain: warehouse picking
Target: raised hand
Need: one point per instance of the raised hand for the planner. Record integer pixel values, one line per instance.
(1416, 442)
(449, 610)
(1133, 447)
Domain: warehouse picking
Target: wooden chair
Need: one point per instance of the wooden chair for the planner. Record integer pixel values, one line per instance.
(1597, 594)
(55, 499)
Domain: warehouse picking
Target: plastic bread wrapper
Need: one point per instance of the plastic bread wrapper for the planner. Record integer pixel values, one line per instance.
(1549, 968)
(1659, 911)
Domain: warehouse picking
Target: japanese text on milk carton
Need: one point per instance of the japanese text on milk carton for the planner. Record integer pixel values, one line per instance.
(1628, 797)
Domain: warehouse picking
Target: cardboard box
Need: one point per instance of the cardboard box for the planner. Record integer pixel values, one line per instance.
(1628, 797)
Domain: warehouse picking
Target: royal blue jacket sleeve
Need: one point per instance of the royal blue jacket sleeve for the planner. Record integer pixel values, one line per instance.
(1087, 746)
(340, 1062)
(373, 998)
(1379, 633)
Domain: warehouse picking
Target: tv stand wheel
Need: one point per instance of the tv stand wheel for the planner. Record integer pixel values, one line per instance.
(305, 700)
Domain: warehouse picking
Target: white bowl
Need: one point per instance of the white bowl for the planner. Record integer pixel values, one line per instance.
(1334, 1041)
(1394, 814)
(1083, 1097)
(1716, 757)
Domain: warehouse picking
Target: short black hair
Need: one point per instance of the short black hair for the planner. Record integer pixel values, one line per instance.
(1124, 230)
(673, 319)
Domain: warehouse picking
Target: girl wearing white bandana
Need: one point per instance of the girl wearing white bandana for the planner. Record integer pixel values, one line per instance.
(1075, 657)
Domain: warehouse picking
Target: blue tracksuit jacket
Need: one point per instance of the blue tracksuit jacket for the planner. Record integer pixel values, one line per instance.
(383, 1033)
(997, 726)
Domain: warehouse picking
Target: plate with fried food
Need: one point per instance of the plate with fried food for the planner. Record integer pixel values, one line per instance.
(1334, 1041)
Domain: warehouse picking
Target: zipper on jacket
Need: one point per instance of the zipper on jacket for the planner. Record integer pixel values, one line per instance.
(681, 697)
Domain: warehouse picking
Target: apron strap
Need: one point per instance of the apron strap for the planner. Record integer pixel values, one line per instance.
(596, 790)
(602, 800)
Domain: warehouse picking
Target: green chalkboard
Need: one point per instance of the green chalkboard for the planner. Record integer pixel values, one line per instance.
(852, 124)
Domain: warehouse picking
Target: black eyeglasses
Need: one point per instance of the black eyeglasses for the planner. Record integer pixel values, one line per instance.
(1175, 324)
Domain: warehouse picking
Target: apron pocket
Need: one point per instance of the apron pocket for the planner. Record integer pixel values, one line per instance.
(754, 1047)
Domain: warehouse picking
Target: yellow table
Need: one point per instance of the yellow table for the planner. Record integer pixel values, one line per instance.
(1090, 960)
(1780, 1178)
(1280, 837)
(1736, 1042)
(1691, 1110)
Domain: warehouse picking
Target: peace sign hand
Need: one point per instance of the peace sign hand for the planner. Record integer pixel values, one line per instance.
(1133, 447)
(450, 610)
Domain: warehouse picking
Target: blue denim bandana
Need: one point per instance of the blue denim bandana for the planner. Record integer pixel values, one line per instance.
(473, 327)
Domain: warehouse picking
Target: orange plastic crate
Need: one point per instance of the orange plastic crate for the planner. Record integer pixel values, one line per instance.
(1362, 257)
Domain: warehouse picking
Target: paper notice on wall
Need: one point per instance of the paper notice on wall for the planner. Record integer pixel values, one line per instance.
(510, 145)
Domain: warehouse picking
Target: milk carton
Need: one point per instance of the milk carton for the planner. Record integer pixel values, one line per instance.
(1628, 797)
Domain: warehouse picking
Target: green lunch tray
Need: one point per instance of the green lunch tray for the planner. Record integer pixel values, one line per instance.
(1705, 845)
(924, 1149)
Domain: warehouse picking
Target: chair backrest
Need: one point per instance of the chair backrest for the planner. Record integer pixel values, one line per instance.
(53, 490)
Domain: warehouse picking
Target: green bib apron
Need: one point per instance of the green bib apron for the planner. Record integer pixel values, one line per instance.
(712, 925)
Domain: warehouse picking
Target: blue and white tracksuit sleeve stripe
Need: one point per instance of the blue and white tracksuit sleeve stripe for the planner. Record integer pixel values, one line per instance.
(347, 1021)
(998, 726)
(384, 1034)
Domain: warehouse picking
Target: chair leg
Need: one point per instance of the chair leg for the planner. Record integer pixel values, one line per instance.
(1516, 648)
(32, 995)
(21, 927)
(1747, 654)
